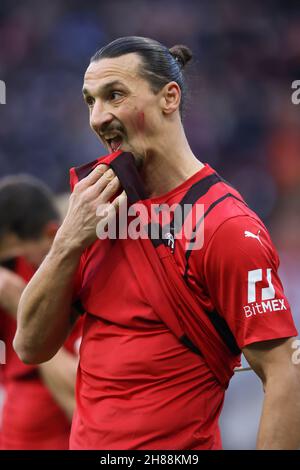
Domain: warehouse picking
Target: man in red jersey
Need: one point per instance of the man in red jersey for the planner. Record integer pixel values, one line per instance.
(140, 385)
(39, 400)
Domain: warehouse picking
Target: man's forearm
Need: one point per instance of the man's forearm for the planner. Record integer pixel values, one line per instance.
(280, 420)
(44, 308)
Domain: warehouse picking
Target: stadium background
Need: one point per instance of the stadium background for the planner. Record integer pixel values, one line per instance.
(239, 117)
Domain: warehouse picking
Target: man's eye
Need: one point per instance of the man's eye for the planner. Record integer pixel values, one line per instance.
(115, 95)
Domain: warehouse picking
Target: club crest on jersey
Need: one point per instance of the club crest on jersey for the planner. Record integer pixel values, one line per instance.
(267, 302)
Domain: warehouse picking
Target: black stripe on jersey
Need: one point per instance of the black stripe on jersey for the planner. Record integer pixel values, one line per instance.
(217, 320)
(194, 193)
(211, 207)
(224, 331)
(189, 344)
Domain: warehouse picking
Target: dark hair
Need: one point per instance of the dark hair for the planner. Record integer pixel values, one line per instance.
(160, 64)
(26, 206)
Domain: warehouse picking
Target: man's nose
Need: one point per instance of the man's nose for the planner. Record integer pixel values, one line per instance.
(100, 117)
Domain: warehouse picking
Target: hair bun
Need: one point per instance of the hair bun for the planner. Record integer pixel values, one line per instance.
(182, 54)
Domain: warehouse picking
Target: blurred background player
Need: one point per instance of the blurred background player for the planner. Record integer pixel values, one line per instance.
(38, 401)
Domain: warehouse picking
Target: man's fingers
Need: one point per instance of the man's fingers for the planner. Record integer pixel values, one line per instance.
(105, 179)
(98, 180)
(110, 190)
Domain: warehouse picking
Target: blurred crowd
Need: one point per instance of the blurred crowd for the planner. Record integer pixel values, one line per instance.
(239, 116)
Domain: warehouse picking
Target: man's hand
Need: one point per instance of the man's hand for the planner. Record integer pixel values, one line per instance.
(79, 227)
(11, 288)
(44, 318)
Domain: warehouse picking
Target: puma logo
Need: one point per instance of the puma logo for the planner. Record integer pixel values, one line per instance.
(252, 235)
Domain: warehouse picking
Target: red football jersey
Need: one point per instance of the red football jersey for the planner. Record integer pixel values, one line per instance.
(138, 387)
(31, 419)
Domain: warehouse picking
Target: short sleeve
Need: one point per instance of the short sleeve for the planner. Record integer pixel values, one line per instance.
(240, 269)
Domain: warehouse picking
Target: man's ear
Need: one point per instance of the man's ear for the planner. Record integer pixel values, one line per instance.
(170, 97)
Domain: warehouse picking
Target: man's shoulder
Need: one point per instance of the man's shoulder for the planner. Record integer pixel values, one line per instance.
(221, 203)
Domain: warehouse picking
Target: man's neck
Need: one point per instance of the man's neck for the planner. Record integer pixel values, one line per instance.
(168, 166)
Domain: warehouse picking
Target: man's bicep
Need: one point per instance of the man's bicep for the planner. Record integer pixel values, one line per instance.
(270, 357)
